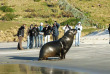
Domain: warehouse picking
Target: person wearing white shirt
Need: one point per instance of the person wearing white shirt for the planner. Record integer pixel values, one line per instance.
(66, 28)
(78, 27)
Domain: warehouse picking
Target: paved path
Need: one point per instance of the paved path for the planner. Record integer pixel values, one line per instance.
(90, 58)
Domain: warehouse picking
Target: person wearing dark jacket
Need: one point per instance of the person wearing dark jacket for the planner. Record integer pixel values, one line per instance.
(30, 37)
(20, 35)
(55, 30)
(47, 32)
(35, 32)
(109, 33)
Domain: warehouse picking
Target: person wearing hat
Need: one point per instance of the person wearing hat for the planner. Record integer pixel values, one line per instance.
(78, 27)
(40, 36)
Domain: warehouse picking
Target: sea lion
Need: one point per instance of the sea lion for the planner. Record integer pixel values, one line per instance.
(58, 48)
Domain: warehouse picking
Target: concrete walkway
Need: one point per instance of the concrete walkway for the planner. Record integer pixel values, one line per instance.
(90, 58)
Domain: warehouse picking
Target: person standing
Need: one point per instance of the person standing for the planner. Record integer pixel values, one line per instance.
(31, 37)
(109, 33)
(47, 32)
(28, 38)
(40, 36)
(20, 35)
(55, 31)
(35, 31)
(78, 27)
(66, 28)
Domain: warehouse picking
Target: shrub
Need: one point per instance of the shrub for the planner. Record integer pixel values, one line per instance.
(87, 14)
(54, 10)
(32, 15)
(37, 0)
(30, 10)
(54, 15)
(8, 17)
(50, 21)
(67, 14)
(71, 21)
(52, 4)
(6, 9)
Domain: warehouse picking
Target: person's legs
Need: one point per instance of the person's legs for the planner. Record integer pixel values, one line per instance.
(53, 38)
(36, 41)
(56, 37)
(45, 39)
(79, 34)
(41, 40)
(28, 42)
(31, 42)
(48, 38)
(76, 39)
(18, 47)
(20, 42)
(109, 38)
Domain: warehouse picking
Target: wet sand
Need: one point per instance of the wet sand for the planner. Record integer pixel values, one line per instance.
(89, 58)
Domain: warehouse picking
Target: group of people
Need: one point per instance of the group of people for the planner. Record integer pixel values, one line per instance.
(36, 33)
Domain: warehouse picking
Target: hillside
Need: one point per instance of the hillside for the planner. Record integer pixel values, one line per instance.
(31, 12)
(97, 10)
(14, 13)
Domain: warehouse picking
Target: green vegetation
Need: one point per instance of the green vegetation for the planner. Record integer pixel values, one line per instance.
(31, 12)
(6, 9)
(37, 0)
(90, 12)
(8, 17)
(50, 21)
(97, 10)
(71, 21)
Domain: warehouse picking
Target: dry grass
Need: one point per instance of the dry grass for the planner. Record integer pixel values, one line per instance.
(41, 8)
(98, 9)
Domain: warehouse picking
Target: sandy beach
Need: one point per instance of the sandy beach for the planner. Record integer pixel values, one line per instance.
(91, 57)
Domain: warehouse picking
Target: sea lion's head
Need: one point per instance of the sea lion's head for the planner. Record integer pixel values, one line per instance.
(73, 31)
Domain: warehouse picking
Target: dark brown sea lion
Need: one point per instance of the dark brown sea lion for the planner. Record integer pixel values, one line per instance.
(58, 48)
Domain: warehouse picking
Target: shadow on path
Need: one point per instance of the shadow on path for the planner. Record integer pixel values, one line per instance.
(23, 58)
(11, 48)
(33, 58)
